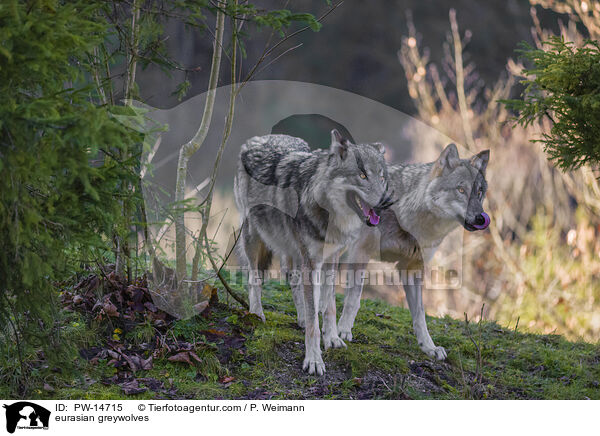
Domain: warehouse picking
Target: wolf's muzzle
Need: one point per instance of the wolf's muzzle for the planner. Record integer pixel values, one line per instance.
(482, 221)
(385, 202)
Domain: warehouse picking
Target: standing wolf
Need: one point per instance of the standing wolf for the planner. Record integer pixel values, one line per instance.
(432, 200)
(306, 206)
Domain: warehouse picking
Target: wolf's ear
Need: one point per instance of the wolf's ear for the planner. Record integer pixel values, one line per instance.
(379, 147)
(339, 145)
(480, 160)
(448, 160)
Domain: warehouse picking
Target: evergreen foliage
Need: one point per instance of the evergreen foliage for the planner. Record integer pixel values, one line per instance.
(563, 84)
(59, 187)
(69, 165)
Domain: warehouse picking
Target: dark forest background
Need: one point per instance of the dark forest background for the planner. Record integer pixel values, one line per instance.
(356, 49)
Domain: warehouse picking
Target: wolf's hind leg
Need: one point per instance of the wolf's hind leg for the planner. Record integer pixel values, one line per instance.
(351, 299)
(257, 257)
(294, 277)
(414, 296)
(313, 361)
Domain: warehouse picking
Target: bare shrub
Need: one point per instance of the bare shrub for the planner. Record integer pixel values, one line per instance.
(540, 259)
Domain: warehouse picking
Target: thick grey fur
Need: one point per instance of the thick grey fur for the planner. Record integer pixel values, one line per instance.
(298, 204)
(429, 206)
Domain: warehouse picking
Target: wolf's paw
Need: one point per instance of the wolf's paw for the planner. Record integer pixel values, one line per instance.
(438, 353)
(346, 335)
(333, 342)
(314, 367)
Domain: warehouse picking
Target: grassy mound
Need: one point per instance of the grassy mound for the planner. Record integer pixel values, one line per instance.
(228, 353)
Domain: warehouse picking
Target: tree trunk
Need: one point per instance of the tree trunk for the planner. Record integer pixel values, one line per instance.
(188, 150)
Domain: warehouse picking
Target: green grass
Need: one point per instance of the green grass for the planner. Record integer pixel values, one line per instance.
(383, 361)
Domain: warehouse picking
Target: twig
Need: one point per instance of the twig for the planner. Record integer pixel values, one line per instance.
(207, 203)
(477, 349)
(460, 81)
(279, 57)
(96, 73)
(17, 340)
(195, 143)
(267, 52)
(230, 291)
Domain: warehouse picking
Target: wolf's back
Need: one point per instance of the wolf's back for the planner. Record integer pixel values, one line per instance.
(258, 161)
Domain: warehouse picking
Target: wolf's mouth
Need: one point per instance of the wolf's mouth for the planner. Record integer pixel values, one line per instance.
(368, 213)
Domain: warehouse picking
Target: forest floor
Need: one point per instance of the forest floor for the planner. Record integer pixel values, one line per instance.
(128, 349)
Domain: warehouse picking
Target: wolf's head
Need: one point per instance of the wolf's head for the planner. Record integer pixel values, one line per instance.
(358, 178)
(458, 187)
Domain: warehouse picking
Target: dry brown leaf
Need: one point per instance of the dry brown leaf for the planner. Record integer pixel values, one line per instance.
(110, 309)
(227, 379)
(132, 388)
(195, 356)
(201, 307)
(181, 357)
(216, 332)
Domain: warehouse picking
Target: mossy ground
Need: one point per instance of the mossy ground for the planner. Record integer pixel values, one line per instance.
(245, 358)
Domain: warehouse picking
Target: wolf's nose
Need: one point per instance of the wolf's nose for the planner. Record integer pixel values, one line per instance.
(482, 221)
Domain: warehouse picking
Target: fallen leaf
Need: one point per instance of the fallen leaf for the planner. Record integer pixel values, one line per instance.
(208, 291)
(110, 309)
(147, 364)
(216, 332)
(195, 356)
(201, 307)
(132, 388)
(227, 379)
(184, 356)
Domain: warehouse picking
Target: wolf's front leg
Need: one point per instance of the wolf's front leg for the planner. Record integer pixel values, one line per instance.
(330, 333)
(351, 300)
(313, 361)
(414, 296)
(294, 278)
(254, 293)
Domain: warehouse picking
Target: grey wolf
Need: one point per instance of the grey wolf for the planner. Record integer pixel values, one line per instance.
(432, 200)
(306, 206)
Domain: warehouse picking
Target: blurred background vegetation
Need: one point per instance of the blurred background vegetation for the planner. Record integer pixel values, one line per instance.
(449, 63)
(539, 265)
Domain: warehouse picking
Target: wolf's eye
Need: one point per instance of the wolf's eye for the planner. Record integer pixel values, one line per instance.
(382, 178)
(363, 176)
(461, 190)
(480, 192)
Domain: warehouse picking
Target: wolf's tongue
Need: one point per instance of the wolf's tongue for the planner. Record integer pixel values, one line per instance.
(373, 217)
